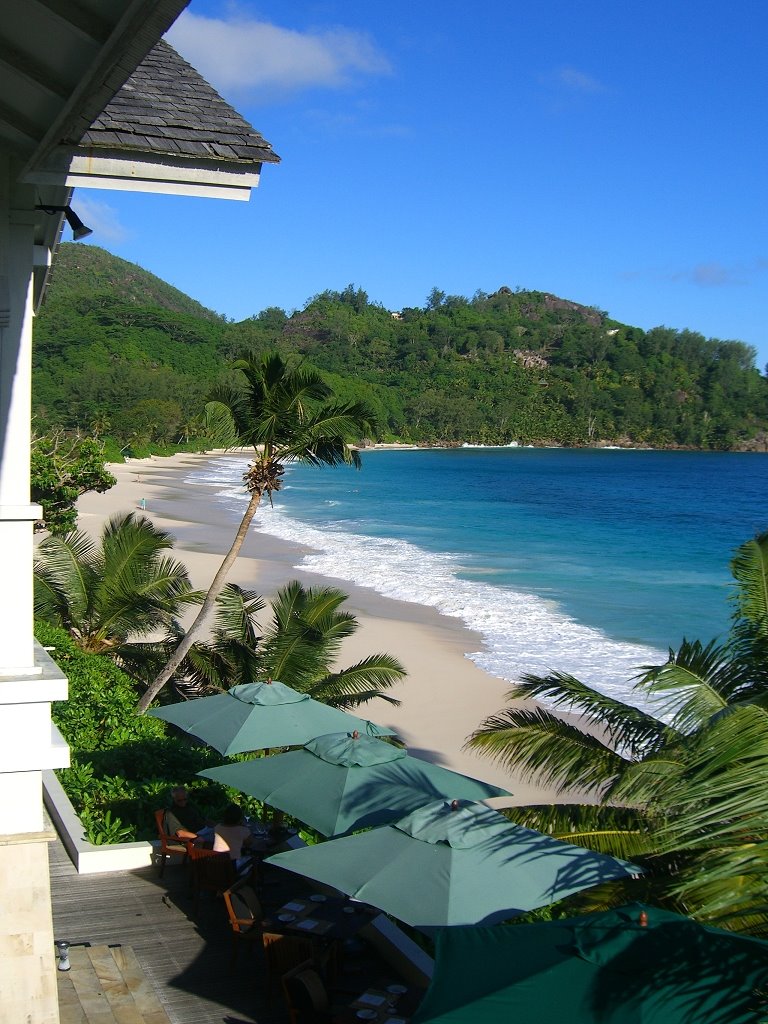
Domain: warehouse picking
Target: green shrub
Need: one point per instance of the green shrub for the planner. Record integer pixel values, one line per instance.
(123, 764)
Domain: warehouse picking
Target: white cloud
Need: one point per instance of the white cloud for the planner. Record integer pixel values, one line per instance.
(712, 274)
(244, 54)
(100, 217)
(577, 81)
(569, 82)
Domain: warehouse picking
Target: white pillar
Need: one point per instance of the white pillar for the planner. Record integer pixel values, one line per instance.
(29, 681)
(17, 514)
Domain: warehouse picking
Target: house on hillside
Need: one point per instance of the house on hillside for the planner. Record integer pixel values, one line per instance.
(91, 98)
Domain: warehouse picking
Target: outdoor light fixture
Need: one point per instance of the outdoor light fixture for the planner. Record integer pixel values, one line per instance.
(79, 230)
(62, 952)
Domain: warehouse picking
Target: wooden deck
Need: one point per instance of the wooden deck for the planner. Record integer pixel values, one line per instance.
(106, 985)
(187, 961)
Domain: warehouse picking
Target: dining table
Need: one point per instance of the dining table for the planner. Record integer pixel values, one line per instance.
(329, 918)
(394, 1003)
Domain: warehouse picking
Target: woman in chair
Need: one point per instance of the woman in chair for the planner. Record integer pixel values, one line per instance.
(233, 837)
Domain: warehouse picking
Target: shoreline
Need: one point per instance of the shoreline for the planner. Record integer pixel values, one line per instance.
(444, 697)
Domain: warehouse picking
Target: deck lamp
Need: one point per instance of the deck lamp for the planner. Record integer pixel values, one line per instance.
(62, 952)
(79, 230)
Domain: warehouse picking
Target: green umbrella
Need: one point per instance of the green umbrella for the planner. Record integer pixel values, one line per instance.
(346, 781)
(256, 716)
(453, 863)
(633, 964)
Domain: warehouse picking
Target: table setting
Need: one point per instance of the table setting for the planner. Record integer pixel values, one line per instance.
(390, 1005)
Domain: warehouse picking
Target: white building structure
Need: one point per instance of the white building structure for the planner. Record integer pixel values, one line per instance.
(84, 85)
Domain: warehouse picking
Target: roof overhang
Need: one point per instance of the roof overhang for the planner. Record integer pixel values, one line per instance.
(83, 53)
(116, 170)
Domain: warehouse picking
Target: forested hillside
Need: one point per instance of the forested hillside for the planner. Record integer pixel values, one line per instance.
(117, 347)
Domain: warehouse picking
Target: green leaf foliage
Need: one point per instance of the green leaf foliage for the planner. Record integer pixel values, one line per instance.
(62, 468)
(108, 593)
(122, 764)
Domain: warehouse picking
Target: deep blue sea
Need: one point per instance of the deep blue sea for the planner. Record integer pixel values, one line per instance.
(592, 562)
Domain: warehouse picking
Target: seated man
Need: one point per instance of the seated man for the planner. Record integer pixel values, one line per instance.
(184, 820)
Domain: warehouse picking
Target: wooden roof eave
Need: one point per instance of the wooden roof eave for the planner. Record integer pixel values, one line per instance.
(140, 26)
(135, 171)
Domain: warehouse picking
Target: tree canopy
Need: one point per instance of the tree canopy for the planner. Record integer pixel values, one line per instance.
(511, 365)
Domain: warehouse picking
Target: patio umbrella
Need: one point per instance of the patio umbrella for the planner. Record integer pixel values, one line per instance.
(632, 964)
(452, 863)
(345, 781)
(256, 716)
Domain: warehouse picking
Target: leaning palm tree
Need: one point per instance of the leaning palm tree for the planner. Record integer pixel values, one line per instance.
(106, 594)
(287, 413)
(682, 790)
(227, 657)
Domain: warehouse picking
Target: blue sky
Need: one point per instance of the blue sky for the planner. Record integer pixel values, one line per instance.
(610, 153)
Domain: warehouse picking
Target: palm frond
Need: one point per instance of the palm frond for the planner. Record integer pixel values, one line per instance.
(360, 683)
(749, 567)
(719, 799)
(698, 682)
(65, 567)
(545, 748)
(626, 727)
(618, 831)
(236, 611)
(220, 424)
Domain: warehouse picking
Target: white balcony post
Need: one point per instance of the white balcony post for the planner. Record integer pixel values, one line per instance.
(17, 514)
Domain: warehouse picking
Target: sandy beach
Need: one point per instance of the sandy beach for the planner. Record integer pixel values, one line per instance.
(444, 697)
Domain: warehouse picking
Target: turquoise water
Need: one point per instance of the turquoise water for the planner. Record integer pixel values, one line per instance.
(587, 561)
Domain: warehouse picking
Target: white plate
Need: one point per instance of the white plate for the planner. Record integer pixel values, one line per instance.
(286, 917)
(367, 1014)
(318, 898)
(396, 990)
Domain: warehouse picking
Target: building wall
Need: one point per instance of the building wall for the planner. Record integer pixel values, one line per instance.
(27, 960)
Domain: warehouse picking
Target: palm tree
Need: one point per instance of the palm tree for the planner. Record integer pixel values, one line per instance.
(303, 641)
(286, 412)
(299, 647)
(682, 790)
(108, 593)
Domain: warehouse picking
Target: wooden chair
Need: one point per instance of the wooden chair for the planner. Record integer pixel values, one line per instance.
(245, 914)
(170, 846)
(211, 872)
(306, 996)
(282, 953)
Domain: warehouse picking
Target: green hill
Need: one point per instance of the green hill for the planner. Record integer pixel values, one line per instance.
(87, 270)
(120, 348)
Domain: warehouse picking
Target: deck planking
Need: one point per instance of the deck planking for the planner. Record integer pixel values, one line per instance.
(186, 959)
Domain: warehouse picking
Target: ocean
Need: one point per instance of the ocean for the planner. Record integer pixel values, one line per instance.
(592, 562)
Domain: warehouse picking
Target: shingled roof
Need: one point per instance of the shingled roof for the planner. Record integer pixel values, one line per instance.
(167, 108)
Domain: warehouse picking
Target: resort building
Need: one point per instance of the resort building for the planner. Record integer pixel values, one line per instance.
(91, 97)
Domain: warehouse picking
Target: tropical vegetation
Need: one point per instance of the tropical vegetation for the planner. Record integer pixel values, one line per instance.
(119, 351)
(287, 413)
(109, 593)
(63, 467)
(122, 765)
(122, 597)
(677, 783)
(300, 646)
